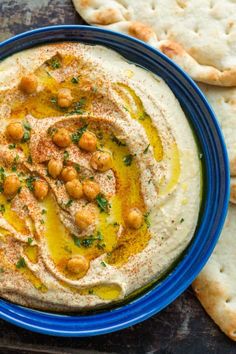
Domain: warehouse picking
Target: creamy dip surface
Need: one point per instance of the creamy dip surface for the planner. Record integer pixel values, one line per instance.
(100, 178)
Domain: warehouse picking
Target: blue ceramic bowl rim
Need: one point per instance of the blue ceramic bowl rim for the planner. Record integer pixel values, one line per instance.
(215, 205)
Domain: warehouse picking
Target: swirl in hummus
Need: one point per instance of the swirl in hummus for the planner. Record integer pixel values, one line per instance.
(100, 177)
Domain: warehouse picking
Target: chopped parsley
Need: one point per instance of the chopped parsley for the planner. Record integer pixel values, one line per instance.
(77, 167)
(54, 62)
(21, 263)
(103, 264)
(69, 203)
(125, 108)
(181, 220)
(102, 203)
(78, 106)
(51, 131)
(117, 141)
(42, 221)
(128, 160)
(26, 137)
(44, 211)
(19, 189)
(53, 100)
(67, 249)
(90, 291)
(91, 178)
(2, 208)
(1, 270)
(29, 159)
(2, 174)
(30, 240)
(75, 80)
(76, 241)
(12, 146)
(65, 157)
(29, 182)
(146, 149)
(15, 161)
(89, 241)
(75, 137)
(27, 126)
(146, 219)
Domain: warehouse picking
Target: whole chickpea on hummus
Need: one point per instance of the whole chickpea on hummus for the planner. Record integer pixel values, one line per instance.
(100, 178)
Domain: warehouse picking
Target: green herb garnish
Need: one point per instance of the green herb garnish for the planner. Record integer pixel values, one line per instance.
(77, 167)
(27, 126)
(102, 203)
(78, 106)
(117, 141)
(29, 182)
(128, 160)
(67, 249)
(75, 80)
(146, 219)
(53, 100)
(54, 63)
(103, 264)
(2, 208)
(75, 137)
(30, 240)
(26, 137)
(12, 146)
(69, 203)
(181, 220)
(29, 159)
(21, 263)
(76, 241)
(65, 157)
(51, 131)
(2, 174)
(146, 149)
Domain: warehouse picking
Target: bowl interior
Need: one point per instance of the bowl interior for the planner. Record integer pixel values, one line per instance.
(216, 187)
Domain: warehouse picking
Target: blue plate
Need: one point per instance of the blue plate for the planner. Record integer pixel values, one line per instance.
(216, 187)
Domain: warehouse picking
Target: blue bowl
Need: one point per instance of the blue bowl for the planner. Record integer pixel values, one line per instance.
(216, 187)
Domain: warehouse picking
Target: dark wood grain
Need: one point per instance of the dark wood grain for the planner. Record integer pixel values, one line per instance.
(181, 328)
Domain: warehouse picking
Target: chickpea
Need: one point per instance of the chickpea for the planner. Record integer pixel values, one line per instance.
(88, 142)
(29, 83)
(40, 189)
(64, 97)
(55, 167)
(91, 189)
(84, 218)
(11, 185)
(78, 264)
(68, 174)
(15, 131)
(101, 161)
(74, 189)
(134, 218)
(62, 138)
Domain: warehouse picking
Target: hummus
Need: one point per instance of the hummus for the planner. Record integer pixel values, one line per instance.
(100, 177)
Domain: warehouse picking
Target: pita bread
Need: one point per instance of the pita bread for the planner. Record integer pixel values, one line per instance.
(200, 35)
(215, 287)
(223, 101)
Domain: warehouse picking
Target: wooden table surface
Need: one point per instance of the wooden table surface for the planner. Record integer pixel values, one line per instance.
(182, 328)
